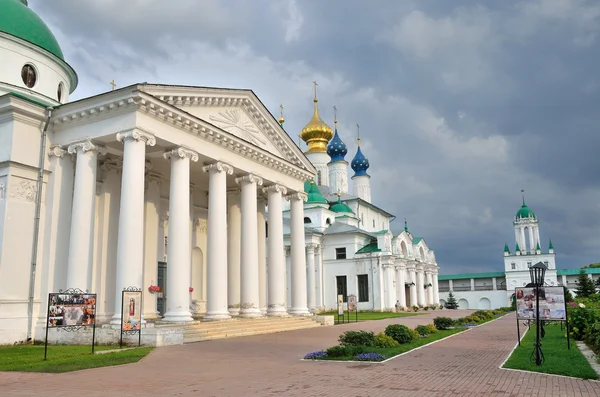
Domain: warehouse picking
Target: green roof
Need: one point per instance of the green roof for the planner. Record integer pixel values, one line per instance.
(506, 248)
(417, 240)
(341, 207)
(471, 275)
(574, 272)
(382, 231)
(537, 247)
(525, 212)
(550, 247)
(16, 19)
(314, 195)
(371, 247)
(517, 249)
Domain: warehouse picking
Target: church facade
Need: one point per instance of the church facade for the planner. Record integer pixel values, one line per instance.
(195, 195)
(350, 247)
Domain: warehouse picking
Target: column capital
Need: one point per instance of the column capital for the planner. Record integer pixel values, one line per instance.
(136, 135)
(310, 248)
(275, 188)
(86, 146)
(317, 249)
(181, 153)
(297, 196)
(200, 225)
(57, 151)
(249, 178)
(111, 164)
(153, 177)
(219, 166)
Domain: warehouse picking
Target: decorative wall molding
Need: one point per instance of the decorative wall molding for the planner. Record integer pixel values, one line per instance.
(236, 122)
(57, 151)
(181, 153)
(275, 188)
(219, 166)
(200, 225)
(86, 146)
(250, 178)
(23, 190)
(297, 196)
(136, 135)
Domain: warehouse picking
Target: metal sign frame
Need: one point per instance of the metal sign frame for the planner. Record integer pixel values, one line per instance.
(137, 292)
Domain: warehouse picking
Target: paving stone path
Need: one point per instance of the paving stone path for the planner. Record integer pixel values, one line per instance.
(270, 365)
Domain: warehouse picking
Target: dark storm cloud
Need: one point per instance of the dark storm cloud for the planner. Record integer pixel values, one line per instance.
(461, 103)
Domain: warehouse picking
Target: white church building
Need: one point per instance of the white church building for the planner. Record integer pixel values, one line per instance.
(178, 187)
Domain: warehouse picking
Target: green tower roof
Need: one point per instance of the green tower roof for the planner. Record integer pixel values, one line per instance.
(506, 248)
(517, 249)
(314, 195)
(340, 207)
(537, 247)
(550, 247)
(525, 212)
(20, 21)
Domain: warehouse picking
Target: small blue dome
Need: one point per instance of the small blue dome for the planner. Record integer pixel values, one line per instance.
(359, 163)
(337, 149)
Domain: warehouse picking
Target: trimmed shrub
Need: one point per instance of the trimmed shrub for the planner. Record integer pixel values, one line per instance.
(461, 321)
(336, 351)
(382, 340)
(415, 308)
(484, 314)
(472, 319)
(422, 330)
(354, 350)
(431, 329)
(400, 333)
(357, 338)
(442, 322)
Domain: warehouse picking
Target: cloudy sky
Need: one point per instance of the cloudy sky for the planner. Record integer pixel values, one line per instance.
(461, 103)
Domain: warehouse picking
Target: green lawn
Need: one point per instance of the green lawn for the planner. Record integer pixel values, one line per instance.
(558, 359)
(30, 358)
(405, 347)
(366, 316)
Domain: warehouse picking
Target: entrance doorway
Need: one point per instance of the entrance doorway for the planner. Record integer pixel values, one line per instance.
(407, 295)
(161, 300)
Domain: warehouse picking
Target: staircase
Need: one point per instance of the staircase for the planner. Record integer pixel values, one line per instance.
(211, 330)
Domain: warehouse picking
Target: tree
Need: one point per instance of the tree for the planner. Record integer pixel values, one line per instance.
(568, 295)
(451, 302)
(585, 286)
(598, 284)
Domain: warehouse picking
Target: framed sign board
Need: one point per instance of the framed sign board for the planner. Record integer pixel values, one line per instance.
(352, 303)
(552, 303)
(340, 305)
(131, 313)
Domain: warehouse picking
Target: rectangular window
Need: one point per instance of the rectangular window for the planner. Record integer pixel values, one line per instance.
(363, 287)
(513, 266)
(340, 253)
(528, 264)
(342, 287)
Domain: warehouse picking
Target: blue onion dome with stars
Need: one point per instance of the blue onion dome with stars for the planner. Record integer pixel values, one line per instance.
(359, 163)
(337, 149)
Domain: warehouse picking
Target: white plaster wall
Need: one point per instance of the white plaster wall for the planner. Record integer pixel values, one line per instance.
(497, 298)
(51, 71)
(338, 176)
(368, 215)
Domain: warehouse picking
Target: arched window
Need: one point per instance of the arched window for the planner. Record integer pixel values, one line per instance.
(29, 75)
(59, 91)
(307, 219)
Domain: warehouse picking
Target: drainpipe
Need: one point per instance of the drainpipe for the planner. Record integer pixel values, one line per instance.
(36, 225)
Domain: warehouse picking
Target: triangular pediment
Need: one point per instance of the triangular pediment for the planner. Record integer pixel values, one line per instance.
(237, 112)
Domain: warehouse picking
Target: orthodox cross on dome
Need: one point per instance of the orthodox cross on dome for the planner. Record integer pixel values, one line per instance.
(358, 134)
(113, 84)
(315, 85)
(281, 119)
(523, 194)
(335, 115)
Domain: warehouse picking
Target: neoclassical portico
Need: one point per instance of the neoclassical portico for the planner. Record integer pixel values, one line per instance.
(156, 162)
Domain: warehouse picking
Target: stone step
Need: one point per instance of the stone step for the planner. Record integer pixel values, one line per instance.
(200, 337)
(231, 324)
(247, 327)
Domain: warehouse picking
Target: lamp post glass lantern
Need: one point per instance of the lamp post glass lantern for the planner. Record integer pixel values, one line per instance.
(537, 273)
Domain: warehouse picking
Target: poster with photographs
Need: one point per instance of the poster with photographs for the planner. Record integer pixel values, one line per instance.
(552, 303)
(352, 303)
(68, 309)
(132, 311)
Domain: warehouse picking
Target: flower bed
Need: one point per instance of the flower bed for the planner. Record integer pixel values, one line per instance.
(397, 339)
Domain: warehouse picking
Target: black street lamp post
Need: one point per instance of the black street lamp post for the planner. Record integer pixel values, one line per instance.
(537, 273)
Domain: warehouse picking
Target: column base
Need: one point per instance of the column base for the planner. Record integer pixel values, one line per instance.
(178, 317)
(250, 312)
(300, 312)
(234, 311)
(216, 316)
(277, 311)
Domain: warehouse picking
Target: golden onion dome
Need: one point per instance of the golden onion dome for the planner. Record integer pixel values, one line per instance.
(317, 133)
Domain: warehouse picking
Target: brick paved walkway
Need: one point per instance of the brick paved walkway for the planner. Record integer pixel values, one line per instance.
(269, 365)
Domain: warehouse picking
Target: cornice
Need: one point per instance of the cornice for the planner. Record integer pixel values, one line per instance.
(89, 111)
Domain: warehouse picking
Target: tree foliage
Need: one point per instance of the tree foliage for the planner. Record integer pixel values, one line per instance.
(451, 303)
(585, 285)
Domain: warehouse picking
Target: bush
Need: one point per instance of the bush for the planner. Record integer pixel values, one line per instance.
(400, 333)
(583, 313)
(354, 350)
(382, 340)
(422, 330)
(472, 319)
(415, 308)
(484, 314)
(369, 357)
(336, 351)
(460, 321)
(357, 338)
(442, 323)
(431, 329)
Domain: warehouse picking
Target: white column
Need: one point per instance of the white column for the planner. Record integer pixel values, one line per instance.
(311, 279)
(401, 287)
(472, 284)
(420, 287)
(413, 288)
(531, 243)
(299, 304)
(537, 236)
(288, 277)
(151, 236)
(430, 289)
(249, 304)
(130, 244)
(436, 291)
(262, 255)
(79, 264)
(234, 236)
(390, 292)
(277, 279)
(179, 248)
(494, 283)
(522, 244)
(216, 272)
(319, 278)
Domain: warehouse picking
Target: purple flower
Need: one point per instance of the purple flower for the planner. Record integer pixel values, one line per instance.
(369, 357)
(471, 325)
(318, 355)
